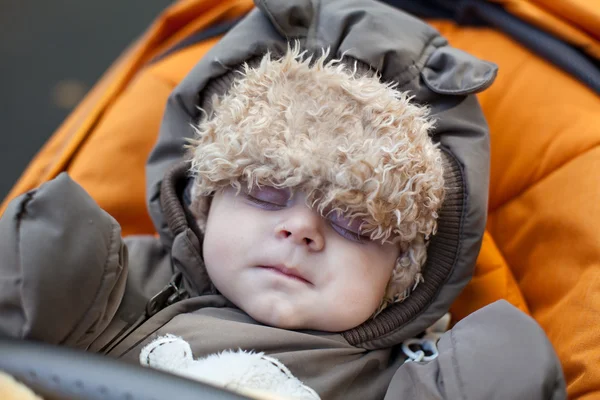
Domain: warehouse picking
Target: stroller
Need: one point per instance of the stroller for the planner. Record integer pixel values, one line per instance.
(540, 251)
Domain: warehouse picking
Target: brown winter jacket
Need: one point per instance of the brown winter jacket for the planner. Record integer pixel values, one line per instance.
(67, 276)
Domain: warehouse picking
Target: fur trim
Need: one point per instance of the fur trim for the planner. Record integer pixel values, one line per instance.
(241, 371)
(352, 143)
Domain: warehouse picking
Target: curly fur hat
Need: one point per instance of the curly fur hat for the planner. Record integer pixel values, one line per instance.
(333, 130)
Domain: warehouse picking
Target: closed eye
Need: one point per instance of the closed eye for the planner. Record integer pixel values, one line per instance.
(348, 228)
(267, 197)
(350, 235)
(263, 204)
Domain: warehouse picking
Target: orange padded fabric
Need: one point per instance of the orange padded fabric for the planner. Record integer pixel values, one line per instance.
(575, 21)
(493, 280)
(544, 200)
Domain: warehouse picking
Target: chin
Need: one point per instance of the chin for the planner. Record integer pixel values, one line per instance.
(280, 321)
(284, 316)
(277, 316)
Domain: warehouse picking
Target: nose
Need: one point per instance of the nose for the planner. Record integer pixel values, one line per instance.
(303, 227)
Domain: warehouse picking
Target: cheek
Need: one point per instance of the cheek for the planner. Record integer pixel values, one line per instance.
(215, 250)
(374, 264)
(355, 288)
(220, 238)
(230, 234)
(363, 273)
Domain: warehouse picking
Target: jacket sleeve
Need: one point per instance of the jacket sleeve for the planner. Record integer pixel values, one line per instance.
(498, 352)
(62, 266)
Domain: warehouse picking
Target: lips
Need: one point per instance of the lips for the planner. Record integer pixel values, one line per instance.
(290, 273)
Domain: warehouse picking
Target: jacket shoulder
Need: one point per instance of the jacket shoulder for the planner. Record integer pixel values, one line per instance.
(498, 352)
(64, 265)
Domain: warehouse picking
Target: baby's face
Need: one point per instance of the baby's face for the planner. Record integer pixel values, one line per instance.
(287, 266)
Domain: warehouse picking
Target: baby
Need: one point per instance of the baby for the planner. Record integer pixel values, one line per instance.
(316, 188)
(330, 209)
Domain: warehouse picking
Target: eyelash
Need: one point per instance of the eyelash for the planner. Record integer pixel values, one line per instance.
(345, 233)
(264, 204)
(348, 234)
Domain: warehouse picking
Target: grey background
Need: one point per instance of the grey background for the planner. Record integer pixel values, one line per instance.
(44, 44)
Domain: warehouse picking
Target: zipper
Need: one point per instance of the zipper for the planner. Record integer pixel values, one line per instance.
(172, 293)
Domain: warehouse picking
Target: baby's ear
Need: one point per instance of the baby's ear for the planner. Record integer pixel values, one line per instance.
(454, 72)
(168, 353)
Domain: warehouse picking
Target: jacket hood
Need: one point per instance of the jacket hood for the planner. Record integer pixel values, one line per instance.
(404, 50)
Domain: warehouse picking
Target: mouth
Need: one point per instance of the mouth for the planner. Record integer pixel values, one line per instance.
(290, 273)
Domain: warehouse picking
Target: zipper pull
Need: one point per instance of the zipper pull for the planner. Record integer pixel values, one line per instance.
(169, 295)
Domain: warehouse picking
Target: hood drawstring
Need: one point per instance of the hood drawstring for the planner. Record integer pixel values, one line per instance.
(425, 348)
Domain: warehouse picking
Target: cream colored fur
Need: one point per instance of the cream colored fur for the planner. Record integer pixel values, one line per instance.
(253, 374)
(351, 142)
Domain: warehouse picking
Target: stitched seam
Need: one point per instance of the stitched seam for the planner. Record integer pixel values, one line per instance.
(469, 89)
(271, 17)
(20, 214)
(411, 77)
(311, 36)
(152, 71)
(100, 285)
(416, 386)
(413, 63)
(155, 348)
(461, 384)
(466, 90)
